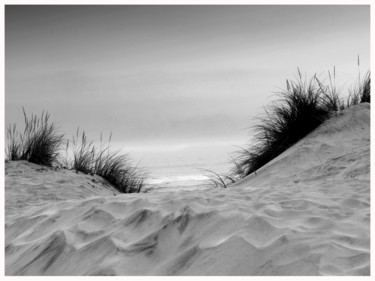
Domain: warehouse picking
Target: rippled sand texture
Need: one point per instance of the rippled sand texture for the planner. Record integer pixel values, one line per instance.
(305, 213)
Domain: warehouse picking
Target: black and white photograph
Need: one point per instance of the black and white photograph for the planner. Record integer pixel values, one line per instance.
(187, 139)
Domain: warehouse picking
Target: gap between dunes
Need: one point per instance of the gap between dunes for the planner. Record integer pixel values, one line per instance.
(307, 212)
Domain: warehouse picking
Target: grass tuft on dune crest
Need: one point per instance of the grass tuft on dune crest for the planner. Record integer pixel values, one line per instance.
(112, 166)
(41, 143)
(300, 109)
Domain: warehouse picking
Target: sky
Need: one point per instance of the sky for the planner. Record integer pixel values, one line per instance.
(166, 77)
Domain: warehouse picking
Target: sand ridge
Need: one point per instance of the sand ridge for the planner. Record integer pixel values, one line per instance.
(299, 215)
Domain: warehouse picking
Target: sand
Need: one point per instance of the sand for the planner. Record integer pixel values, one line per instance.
(305, 213)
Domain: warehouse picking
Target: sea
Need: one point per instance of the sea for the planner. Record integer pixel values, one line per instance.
(183, 166)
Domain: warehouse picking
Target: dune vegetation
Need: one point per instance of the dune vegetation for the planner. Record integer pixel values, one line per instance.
(307, 214)
(300, 108)
(41, 143)
(102, 161)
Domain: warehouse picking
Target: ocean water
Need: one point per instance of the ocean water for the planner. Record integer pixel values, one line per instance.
(184, 166)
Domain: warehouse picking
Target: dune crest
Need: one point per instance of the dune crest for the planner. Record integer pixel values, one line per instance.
(307, 212)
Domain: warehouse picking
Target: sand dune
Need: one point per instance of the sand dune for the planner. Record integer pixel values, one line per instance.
(305, 213)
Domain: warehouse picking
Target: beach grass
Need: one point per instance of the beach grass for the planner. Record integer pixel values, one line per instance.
(362, 89)
(300, 109)
(216, 180)
(41, 143)
(102, 161)
(83, 153)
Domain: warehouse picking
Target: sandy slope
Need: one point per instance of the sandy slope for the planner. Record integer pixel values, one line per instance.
(305, 213)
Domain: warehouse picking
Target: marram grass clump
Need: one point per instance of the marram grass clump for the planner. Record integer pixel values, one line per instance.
(41, 143)
(302, 106)
(112, 166)
(300, 109)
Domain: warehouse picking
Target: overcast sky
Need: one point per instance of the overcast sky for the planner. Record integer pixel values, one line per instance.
(156, 75)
